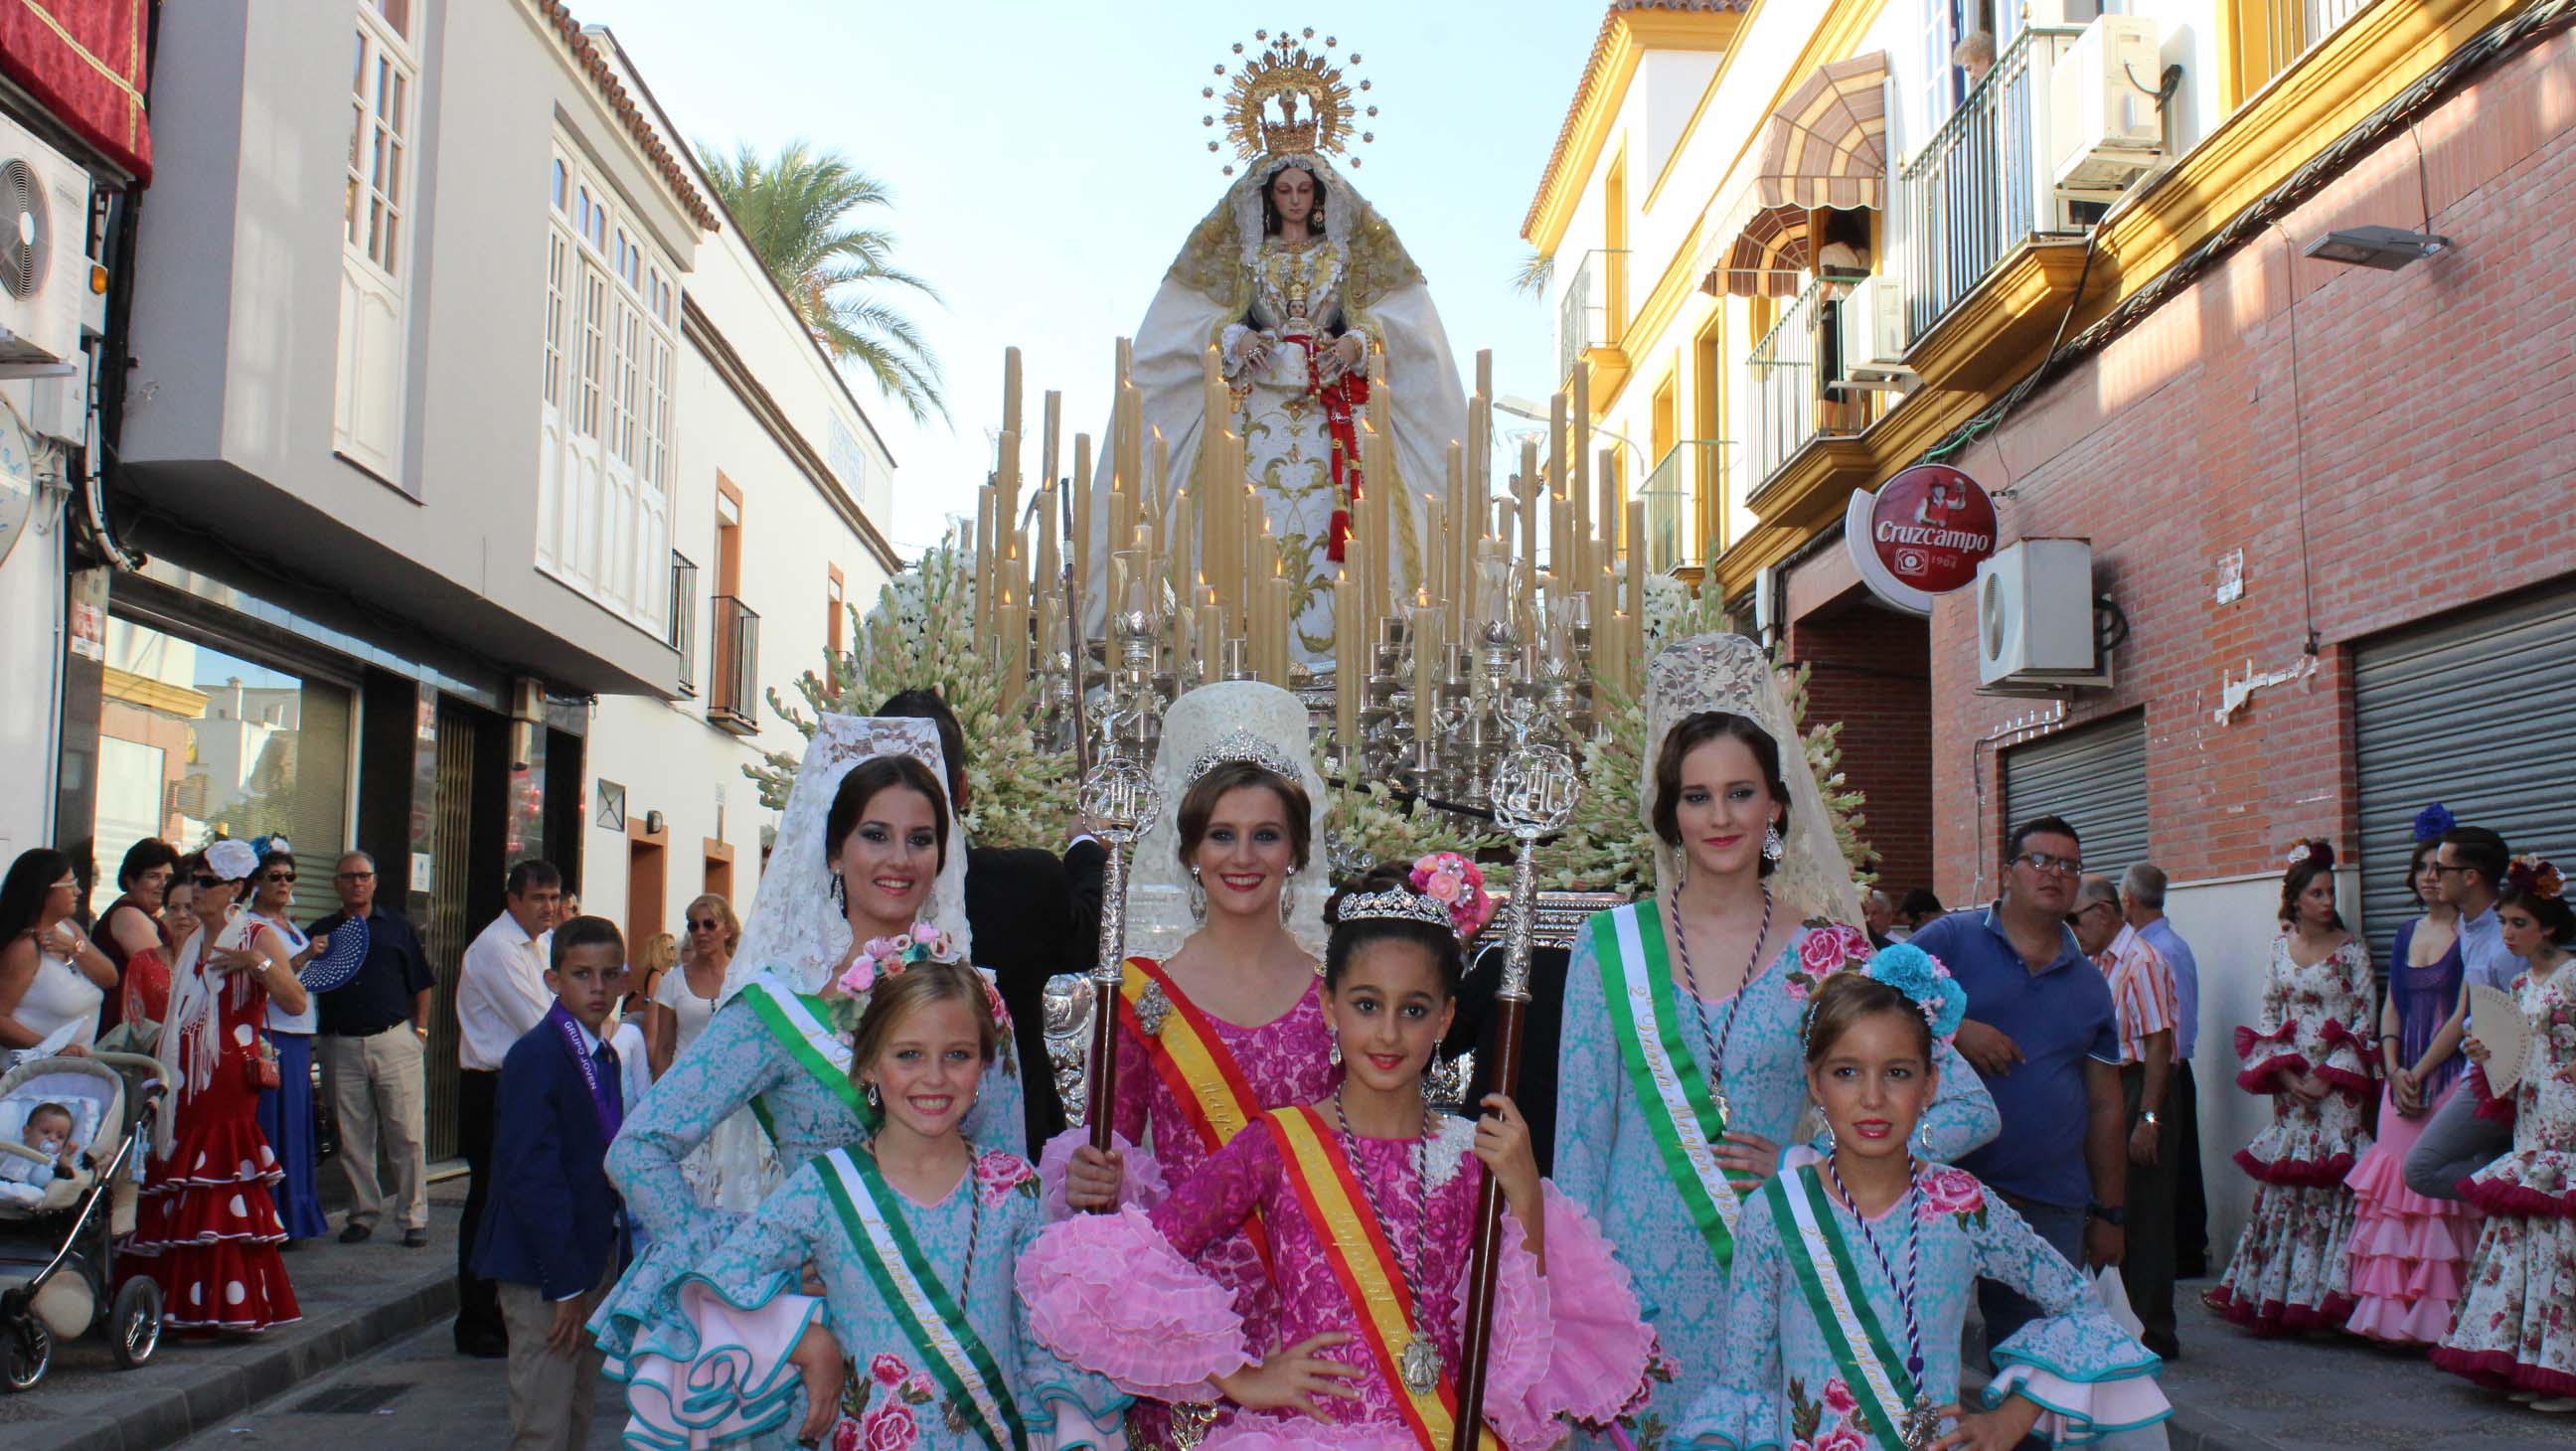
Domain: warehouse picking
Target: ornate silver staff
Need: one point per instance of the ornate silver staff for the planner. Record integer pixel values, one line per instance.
(1533, 791)
(1120, 799)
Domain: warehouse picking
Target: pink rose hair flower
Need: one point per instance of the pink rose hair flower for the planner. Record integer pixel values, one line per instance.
(1458, 885)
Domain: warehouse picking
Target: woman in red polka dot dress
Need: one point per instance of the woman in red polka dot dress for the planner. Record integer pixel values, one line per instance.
(208, 1230)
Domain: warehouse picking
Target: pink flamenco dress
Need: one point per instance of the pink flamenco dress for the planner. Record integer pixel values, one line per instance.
(1119, 1294)
(2409, 1254)
(2516, 1327)
(2291, 1270)
(1165, 1135)
(207, 1229)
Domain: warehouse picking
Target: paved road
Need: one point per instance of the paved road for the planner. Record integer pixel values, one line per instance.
(416, 1394)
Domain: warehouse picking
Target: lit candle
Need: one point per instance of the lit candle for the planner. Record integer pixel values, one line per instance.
(1086, 531)
(1427, 673)
(1211, 633)
(988, 574)
(1457, 543)
(1579, 487)
(1180, 553)
(1280, 626)
(1051, 434)
(1638, 563)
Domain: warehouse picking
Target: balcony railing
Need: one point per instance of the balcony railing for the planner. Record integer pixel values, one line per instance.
(1583, 314)
(1692, 475)
(733, 694)
(1982, 186)
(1798, 369)
(682, 631)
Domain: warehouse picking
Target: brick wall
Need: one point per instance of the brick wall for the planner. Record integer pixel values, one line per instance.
(2437, 410)
(1869, 672)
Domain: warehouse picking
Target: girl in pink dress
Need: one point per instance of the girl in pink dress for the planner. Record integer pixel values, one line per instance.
(1367, 1199)
(2408, 1252)
(1204, 1044)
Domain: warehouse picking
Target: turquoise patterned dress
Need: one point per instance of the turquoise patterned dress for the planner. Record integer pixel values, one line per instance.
(737, 1316)
(1783, 1385)
(1608, 1161)
(736, 1060)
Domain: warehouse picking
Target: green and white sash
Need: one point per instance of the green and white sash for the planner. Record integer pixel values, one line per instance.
(1840, 1302)
(956, 1356)
(802, 1024)
(1637, 983)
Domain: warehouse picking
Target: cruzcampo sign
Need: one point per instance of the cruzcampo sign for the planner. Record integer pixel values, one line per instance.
(1921, 535)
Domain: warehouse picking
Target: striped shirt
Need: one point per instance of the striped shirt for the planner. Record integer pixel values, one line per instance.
(2142, 991)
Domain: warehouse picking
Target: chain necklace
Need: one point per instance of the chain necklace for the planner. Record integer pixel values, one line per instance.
(1921, 1422)
(1716, 1043)
(1418, 1362)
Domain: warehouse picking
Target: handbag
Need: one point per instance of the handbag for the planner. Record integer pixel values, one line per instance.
(259, 1070)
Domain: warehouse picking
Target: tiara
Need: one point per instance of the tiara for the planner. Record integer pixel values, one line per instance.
(1242, 745)
(1395, 905)
(1288, 100)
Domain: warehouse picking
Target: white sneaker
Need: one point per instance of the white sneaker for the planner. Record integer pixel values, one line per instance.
(2524, 1397)
(2556, 1405)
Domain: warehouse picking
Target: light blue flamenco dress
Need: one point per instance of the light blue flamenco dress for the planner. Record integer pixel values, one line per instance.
(714, 1371)
(1609, 1161)
(1785, 1387)
(807, 1106)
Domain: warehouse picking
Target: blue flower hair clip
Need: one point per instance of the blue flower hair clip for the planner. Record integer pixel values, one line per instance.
(2433, 820)
(1921, 977)
(271, 845)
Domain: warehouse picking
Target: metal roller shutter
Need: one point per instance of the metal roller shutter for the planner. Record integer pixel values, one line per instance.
(2096, 778)
(2471, 712)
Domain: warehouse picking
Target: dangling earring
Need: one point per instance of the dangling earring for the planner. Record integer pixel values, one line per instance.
(1681, 869)
(1288, 897)
(873, 1100)
(1772, 846)
(1198, 899)
(840, 893)
(1334, 1057)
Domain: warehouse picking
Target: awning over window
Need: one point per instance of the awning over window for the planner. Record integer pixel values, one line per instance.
(83, 61)
(1825, 147)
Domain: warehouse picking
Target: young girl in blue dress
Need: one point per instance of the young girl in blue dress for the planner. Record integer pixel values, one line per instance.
(1854, 1267)
(916, 1234)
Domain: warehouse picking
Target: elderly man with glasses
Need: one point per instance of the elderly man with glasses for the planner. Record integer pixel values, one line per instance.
(2044, 1036)
(2142, 997)
(374, 1031)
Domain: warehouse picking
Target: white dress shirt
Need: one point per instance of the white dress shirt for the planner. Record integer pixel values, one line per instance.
(501, 994)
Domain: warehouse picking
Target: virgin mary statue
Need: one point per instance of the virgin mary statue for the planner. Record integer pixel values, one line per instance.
(1300, 284)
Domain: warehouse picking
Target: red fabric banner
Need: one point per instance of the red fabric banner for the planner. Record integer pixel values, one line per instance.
(83, 61)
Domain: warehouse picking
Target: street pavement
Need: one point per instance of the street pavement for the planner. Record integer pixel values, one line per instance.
(417, 1394)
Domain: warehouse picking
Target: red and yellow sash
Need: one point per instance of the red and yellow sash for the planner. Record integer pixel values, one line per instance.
(1195, 1065)
(1355, 1245)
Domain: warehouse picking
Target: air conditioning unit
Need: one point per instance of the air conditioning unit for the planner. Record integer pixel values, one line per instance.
(1871, 320)
(44, 251)
(2102, 95)
(2035, 619)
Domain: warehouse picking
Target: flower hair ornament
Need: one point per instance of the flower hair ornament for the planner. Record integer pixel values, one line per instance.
(1921, 977)
(1459, 886)
(2310, 849)
(2432, 821)
(883, 958)
(272, 845)
(2529, 876)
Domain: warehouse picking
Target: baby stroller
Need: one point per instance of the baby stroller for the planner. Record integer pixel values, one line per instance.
(58, 1236)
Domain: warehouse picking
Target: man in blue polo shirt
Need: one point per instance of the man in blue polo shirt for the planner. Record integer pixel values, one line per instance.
(2042, 1033)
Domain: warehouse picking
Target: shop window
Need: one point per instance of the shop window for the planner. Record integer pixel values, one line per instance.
(196, 743)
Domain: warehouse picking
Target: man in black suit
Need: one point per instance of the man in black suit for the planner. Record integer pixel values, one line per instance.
(1032, 914)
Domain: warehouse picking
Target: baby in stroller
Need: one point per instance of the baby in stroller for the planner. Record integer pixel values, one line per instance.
(70, 1137)
(48, 1132)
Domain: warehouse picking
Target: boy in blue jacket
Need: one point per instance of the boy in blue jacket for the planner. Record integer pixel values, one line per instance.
(554, 1237)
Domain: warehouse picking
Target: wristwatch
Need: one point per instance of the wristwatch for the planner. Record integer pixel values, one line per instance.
(2110, 1214)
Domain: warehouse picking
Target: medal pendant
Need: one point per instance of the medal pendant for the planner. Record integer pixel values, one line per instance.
(1922, 1424)
(1717, 1100)
(1151, 1009)
(1419, 1365)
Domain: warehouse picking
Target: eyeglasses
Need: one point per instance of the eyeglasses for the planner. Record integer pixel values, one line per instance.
(708, 925)
(2076, 917)
(2438, 868)
(2041, 861)
(279, 877)
(209, 883)
(354, 877)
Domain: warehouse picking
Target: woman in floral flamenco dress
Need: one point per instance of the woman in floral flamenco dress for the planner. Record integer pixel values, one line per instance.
(207, 1229)
(2516, 1329)
(2409, 1253)
(2291, 1269)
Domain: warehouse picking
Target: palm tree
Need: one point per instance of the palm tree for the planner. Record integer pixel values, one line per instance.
(1536, 271)
(796, 212)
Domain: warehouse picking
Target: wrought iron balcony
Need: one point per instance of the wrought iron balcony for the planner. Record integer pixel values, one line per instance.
(1980, 188)
(1689, 486)
(1583, 320)
(733, 693)
(682, 631)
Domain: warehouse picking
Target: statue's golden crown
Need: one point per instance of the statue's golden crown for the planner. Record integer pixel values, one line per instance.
(1290, 98)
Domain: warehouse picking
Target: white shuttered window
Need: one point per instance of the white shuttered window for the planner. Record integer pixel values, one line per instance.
(375, 251)
(611, 335)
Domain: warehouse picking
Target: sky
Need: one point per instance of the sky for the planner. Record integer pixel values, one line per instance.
(1047, 161)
